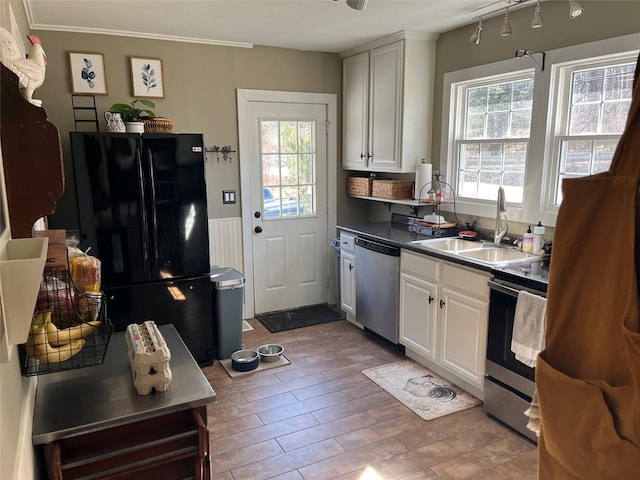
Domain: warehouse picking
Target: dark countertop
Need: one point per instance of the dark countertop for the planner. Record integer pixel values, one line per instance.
(89, 399)
(532, 274)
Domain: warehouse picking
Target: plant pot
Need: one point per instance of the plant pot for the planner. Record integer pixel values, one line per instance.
(134, 127)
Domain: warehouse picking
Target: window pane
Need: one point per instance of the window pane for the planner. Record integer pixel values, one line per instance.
(515, 157)
(269, 137)
(470, 156)
(576, 157)
(499, 98)
(497, 125)
(306, 136)
(603, 154)
(584, 119)
(475, 127)
(270, 170)
(289, 169)
(522, 95)
(521, 123)
(288, 176)
(468, 185)
(491, 156)
(476, 100)
(307, 168)
(587, 86)
(614, 117)
(288, 137)
(618, 82)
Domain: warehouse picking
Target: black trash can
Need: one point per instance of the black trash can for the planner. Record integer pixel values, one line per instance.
(227, 287)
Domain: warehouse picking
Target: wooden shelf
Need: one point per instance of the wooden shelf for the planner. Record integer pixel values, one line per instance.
(406, 201)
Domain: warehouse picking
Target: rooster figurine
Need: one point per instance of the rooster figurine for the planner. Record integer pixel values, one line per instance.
(30, 70)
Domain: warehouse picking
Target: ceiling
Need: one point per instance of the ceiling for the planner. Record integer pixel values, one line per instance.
(318, 25)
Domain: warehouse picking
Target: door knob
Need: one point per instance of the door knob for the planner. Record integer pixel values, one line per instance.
(257, 214)
(258, 229)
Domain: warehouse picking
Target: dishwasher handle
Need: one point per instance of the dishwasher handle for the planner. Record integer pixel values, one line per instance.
(378, 247)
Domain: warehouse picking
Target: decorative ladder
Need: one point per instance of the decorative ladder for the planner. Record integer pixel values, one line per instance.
(82, 106)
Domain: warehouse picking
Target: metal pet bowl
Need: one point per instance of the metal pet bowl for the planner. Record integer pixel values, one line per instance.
(244, 360)
(270, 352)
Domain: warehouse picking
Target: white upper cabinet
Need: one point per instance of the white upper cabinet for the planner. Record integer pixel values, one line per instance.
(388, 103)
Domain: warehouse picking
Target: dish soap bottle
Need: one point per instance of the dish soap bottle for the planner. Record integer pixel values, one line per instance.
(538, 238)
(527, 241)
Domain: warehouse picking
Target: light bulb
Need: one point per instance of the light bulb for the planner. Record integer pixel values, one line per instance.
(575, 9)
(536, 21)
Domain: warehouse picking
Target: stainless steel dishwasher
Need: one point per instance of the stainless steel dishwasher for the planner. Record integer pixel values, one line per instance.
(377, 287)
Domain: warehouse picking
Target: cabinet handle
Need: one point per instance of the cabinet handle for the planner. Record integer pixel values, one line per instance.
(369, 156)
(362, 156)
(431, 299)
(441, 303)
(350, 266)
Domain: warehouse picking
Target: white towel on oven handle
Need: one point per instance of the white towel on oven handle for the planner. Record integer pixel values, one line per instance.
(527, 340)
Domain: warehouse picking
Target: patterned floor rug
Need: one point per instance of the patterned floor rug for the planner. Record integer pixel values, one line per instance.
(428, 395)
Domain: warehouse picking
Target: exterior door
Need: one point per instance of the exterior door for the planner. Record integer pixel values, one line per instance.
(288, 197)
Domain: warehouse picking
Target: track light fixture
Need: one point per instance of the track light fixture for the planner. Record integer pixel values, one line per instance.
(357, 4)
(505, 31)
(475, 36)
(575, 9)
(536, 21)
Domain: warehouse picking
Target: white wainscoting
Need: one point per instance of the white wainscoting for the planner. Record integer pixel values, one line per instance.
(225, 242)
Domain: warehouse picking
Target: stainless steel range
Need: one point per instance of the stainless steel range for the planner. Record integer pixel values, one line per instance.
(509, 384)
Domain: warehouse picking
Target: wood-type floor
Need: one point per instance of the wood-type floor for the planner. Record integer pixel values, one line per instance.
(320, 418)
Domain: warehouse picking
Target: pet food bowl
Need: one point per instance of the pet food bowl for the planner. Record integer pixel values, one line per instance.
(244, 360)
(270, 352)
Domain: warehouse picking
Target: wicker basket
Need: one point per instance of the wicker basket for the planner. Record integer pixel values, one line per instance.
(158, 125)
(359, 186)
(392, 189)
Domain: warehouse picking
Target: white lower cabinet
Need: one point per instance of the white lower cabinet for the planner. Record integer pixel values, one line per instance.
(443, 318)
(348, 276)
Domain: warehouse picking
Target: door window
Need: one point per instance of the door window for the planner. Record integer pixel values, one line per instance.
(288, 161)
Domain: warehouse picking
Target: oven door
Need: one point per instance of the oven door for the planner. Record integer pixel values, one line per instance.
(501, 361)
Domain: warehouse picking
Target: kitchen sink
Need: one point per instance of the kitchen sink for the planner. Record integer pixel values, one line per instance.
(448, 244)
(486, 253)
(496, 255)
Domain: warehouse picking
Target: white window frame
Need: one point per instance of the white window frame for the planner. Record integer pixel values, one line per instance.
(561, 75)
(541, 167)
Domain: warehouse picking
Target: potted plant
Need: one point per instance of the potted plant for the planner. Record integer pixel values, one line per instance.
(132, 115)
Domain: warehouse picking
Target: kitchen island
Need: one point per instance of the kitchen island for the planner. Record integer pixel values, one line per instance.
(92, 419)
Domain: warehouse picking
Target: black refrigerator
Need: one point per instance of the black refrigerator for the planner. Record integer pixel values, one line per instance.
(142, 209)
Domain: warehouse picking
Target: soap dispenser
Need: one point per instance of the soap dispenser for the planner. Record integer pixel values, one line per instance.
(527, 241)
(538, 238)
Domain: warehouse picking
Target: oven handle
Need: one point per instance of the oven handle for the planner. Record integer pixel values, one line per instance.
(503, 288)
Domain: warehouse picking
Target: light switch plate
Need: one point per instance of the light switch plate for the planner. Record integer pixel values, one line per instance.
(228, 196)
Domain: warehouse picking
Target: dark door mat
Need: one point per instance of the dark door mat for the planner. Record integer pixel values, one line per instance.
(299, 317)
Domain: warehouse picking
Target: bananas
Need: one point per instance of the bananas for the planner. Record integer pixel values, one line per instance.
(57, 337)
(38, 344)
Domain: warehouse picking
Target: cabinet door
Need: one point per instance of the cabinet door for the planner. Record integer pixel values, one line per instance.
(418, 312)
(463, 335)
(348, 282)
(355, 111)
(385, 107)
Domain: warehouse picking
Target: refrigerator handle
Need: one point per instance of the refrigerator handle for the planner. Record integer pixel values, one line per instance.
(143, 216)
(153, 221)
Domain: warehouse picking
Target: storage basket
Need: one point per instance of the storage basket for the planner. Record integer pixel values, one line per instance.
(392, 189)
(66, 305)
(158, 125)
(359, 186)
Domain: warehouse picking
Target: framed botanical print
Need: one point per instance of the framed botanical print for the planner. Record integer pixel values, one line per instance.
(147, 77)
(88, 73)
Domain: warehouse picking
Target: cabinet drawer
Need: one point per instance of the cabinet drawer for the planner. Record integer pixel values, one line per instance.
(466, 280)
(420, 265)
(347, 242)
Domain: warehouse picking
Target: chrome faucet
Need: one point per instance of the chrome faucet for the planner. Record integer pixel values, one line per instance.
(502, 225)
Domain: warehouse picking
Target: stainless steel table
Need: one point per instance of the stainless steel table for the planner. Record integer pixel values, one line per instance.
(90, 399)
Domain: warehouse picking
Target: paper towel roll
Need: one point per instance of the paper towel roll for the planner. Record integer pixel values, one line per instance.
(423, 177)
